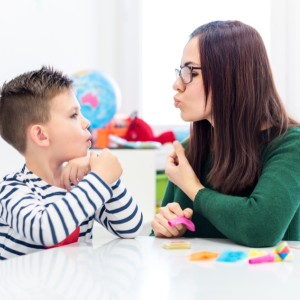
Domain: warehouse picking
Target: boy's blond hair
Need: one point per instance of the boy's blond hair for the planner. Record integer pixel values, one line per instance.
(25, 100)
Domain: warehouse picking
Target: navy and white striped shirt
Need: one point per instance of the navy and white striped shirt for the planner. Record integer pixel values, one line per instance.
(34, 214)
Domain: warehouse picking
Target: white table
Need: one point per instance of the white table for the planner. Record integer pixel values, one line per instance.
(141, 269)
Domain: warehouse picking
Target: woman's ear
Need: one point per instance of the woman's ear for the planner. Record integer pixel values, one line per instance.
(39, 135)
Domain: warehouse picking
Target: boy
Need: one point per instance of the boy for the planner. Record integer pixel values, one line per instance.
(40, 117)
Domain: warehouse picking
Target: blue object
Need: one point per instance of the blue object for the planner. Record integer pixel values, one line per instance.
(231, 256)
(98, 95)
(181, 134)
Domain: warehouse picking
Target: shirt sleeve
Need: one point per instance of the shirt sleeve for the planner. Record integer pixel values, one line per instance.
(261, 219)
(120, 215)
(49, 225)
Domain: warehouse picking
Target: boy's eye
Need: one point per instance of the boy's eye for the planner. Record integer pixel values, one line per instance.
(74, 115)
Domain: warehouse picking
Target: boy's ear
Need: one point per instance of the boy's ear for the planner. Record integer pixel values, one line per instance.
(39, 135)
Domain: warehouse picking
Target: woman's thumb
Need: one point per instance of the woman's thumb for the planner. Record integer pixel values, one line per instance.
(179, 150)
(188, 213)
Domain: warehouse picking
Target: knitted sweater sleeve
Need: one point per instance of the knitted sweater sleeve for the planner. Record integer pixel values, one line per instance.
(261, 219)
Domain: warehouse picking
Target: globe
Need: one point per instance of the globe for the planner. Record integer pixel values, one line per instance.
(99, 96)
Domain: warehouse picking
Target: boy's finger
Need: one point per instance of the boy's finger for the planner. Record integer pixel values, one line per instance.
(93, 154)
(62, 176)
(80, 174)
(73, 176)
(67, 181)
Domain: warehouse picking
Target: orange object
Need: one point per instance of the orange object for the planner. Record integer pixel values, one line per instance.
(203, 255)
(100, 136)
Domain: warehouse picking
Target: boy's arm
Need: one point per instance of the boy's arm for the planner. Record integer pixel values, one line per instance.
(120, 215)
(21, 209)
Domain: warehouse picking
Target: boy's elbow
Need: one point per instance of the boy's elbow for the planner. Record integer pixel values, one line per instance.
(134, 232)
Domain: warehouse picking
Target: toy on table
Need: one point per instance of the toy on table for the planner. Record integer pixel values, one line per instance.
(231, 256)
(255, 253)
(265, 258)
(282, 252)
(177, 245)
(135, 145)
(182, 220)
(203, 255)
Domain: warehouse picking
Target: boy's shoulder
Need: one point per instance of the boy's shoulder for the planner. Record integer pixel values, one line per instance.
(15, 176)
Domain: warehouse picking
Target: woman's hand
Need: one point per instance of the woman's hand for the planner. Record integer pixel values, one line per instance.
(74, 172)
(181, 173)
(160, 223)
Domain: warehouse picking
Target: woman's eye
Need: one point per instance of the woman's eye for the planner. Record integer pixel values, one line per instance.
(194, 74)
(74, 116)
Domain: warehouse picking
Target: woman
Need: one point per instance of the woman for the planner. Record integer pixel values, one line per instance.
(239, 174)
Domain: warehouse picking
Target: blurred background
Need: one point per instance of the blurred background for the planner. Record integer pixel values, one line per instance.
(137, 44)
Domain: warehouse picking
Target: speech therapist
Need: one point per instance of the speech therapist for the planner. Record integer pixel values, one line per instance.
(238, 175)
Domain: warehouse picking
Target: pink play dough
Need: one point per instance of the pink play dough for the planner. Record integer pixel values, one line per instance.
(182, 220)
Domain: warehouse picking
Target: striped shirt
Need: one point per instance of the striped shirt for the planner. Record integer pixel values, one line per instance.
(34, 214)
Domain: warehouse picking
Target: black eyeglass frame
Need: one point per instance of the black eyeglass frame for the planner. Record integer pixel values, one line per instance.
(191, 70)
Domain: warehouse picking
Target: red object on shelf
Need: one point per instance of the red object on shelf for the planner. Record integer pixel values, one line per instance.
(139, 130)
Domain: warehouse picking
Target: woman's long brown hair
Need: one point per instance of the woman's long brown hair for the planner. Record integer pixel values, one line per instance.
(237, 74)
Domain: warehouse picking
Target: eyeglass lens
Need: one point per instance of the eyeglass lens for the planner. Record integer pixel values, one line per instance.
(185, 73)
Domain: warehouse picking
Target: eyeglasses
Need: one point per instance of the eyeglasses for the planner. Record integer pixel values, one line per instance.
(185, 73)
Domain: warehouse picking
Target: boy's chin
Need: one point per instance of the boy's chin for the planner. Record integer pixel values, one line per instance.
(76, 155)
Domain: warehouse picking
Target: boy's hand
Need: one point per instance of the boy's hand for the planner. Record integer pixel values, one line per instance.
(74, 171)
(106, 166)
(160, 223)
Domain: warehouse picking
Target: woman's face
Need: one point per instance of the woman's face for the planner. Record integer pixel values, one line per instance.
(190, 98)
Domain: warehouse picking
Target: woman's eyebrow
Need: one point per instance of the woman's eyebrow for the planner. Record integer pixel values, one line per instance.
(190, 63)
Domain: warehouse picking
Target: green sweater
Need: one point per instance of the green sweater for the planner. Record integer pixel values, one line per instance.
(260, 216)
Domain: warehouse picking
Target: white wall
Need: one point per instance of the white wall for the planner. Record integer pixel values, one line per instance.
(285, 52)
(71, 35)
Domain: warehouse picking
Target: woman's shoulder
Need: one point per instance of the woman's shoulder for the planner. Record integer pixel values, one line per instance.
(287, 143)
(291, 136)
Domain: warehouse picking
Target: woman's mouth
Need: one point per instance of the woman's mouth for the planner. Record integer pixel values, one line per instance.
(176, 102)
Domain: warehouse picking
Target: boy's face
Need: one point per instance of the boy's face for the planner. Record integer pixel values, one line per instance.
(67, 128)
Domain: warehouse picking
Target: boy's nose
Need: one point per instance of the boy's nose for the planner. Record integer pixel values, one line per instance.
(86, 123)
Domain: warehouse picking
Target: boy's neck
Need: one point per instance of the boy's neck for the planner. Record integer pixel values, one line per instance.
(48, 171)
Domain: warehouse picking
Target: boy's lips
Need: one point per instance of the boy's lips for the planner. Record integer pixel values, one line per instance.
(89, 139)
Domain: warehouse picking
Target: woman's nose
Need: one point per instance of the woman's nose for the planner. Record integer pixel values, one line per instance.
(178, 85)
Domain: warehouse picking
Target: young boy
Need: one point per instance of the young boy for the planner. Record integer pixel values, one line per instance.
(40, 117)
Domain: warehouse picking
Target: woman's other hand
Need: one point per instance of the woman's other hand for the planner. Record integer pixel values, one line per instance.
(181, 173)
(160, 223)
